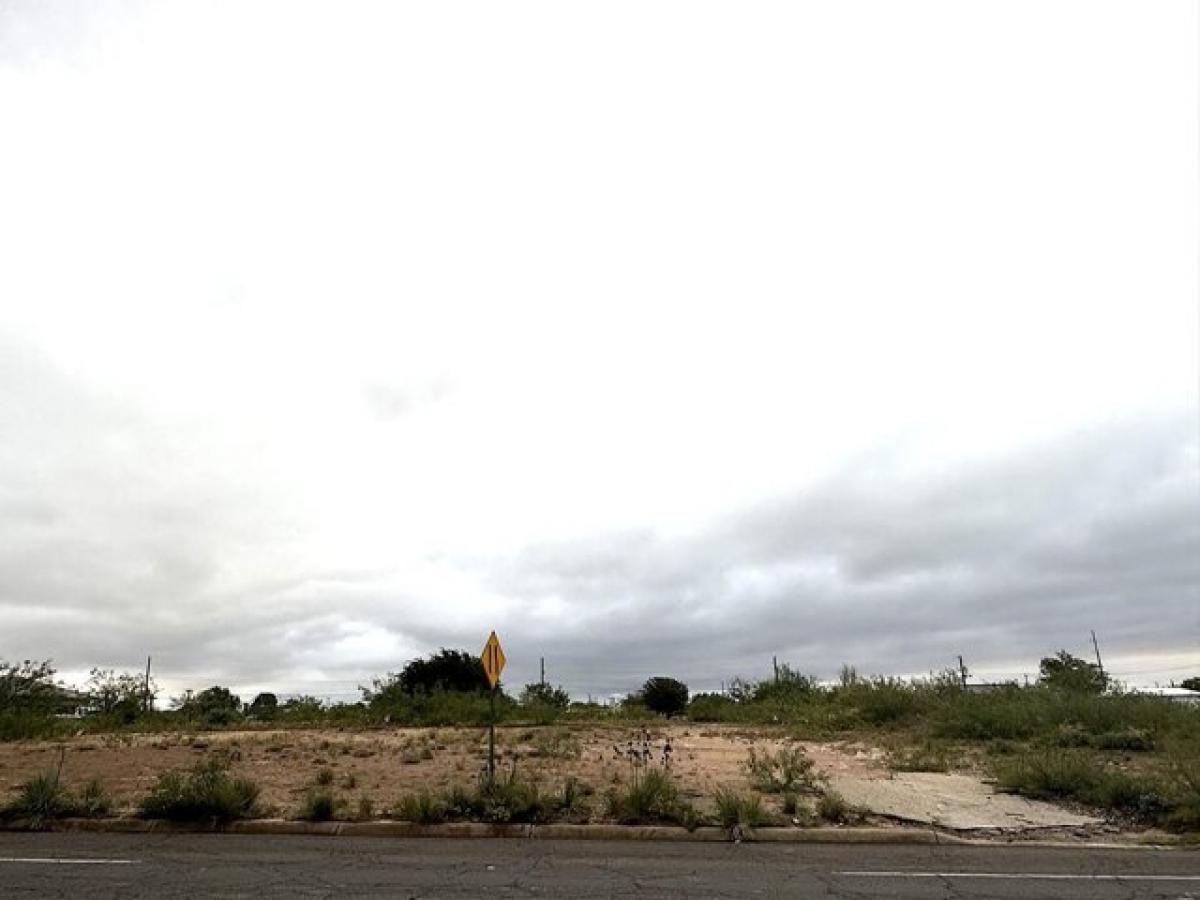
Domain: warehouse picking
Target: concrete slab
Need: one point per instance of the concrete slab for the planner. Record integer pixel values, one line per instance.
(960, 802)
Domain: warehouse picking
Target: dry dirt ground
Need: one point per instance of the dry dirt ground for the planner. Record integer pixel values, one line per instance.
(381, 766)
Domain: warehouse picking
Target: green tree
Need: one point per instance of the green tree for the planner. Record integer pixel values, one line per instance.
(667, 696)
(29, 698)
(29, 686)
(264, 706)
(538, 694)
(212, 706)
(446, 670)
(124, 696)
(1065, 672)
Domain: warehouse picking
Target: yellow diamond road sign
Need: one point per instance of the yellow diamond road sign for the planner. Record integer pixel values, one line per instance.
(493, 659)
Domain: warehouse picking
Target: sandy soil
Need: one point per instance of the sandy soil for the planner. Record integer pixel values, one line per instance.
(384, 765)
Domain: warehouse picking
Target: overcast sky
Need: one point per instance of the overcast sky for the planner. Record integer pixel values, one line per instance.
(663, 338)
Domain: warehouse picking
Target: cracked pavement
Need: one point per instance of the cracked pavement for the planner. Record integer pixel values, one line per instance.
(229, 866)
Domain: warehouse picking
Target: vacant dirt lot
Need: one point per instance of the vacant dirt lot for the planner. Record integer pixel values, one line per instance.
(384, 765)
(375, 769)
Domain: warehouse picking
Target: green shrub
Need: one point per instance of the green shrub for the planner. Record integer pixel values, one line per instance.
(712, 708)
(26, 725)
(789, 769)
(325, 777)
(205, 792)
(1130, 740)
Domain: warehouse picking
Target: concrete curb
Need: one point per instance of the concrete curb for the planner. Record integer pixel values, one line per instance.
(552, 832)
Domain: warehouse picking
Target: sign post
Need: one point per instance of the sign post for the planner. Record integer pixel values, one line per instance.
(493, 664)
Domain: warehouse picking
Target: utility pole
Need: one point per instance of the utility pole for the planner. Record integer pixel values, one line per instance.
(149, 701)
(543, 671)
(962, 670)
(775, 666)
(1099, 661)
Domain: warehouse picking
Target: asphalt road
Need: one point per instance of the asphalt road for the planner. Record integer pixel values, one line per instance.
(162, 866)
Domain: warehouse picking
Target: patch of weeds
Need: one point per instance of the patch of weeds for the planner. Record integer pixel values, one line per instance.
(926, 757)
(1078, 776)
(512, 800)
(557, 743)
(789, 769)
(832, 807)
(325, 777)
(205, 792)
(410, 756)
(319, 806)
(366, 809)
(350, 781)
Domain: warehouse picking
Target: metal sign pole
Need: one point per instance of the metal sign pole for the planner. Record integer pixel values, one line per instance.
(492, 737)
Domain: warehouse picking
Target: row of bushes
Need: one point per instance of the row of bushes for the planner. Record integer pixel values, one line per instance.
(1126, 720)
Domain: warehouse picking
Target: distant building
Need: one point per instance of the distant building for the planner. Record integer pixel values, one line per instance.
(1178, 694)
(987, 687)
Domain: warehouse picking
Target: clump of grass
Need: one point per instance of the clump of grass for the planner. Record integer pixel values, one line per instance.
(349, 781)
(422, 807)
(40, 800)
(366, 809)
(574, 801)
(94, 801)
(410, 756)
(736, 809)
(832, 807)
(325, 777)
(789, 769)
(652, 798)
(319, 806)
(207, 791)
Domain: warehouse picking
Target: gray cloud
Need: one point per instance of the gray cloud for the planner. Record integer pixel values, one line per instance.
(117, 539)
(1003, 560)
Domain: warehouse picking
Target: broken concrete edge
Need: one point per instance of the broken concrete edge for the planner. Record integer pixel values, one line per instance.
(552, 831)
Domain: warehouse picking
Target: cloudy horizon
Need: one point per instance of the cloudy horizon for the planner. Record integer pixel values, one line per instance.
(661, 338)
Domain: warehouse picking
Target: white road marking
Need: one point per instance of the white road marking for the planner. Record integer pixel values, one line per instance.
(60, 861)
(1021, 875)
